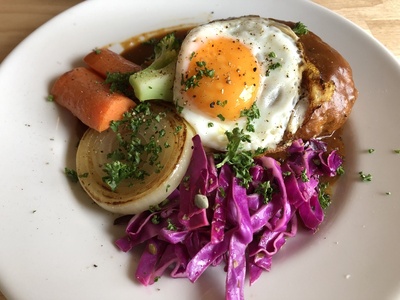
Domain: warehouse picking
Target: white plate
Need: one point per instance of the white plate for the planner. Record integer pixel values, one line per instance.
(53, 237)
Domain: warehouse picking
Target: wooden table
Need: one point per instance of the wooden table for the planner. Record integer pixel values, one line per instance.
(18, 18)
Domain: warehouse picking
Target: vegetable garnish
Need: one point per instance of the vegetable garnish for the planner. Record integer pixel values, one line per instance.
(71, 174)
(156, 81)
(241, 161)
(194, 81)
(212, 219)
(127, 158)
(138, 161)
(365, 177)
(300, 28)
(119, 82)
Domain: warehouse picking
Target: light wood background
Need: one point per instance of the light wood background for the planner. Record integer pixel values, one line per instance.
(18, 18)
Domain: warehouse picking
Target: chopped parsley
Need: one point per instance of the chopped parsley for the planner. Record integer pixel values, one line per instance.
(194, 80)
(286, 173)
(265, 190)
(397, 151)
(156, 219)
(192, 55)
(119, 82)
(304, 176)
(323, 197)
(50, 98)
(178, 128)
(240, 160)
(365, 177)
(252, 113)
(222, 103)
(222, 191)
(340, 170)
(171, 226)
(221, 117)
(272, 67)
(97, 50)
(371, 150)
(300, 29)
(73, 175)
(126, 161)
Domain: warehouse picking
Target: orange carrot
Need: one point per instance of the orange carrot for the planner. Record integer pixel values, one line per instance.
(84, 93)
(105, 60)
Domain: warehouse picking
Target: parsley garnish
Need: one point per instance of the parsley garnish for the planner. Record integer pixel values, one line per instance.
(265, 189)
(222, 192)
(192, 55)
(304, 176)
(300, 29)
(287, 173)
(119, 82)
(340, 170)
(97, 50)
(272, 66)
(241, 161)
(156, 219)
(323, 197)
(194, 80)
(222, 103)
(171, 226)
(127, 160)
(221, 117)
(252, 113)
(365, 177)
(71, 174)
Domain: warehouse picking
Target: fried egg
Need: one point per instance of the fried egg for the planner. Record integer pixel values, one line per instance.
(241, 72)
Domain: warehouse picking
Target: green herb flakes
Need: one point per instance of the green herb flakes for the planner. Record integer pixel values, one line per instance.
(365, 177)
(300, 29)
(323, 197)
(71, 174)
(126, 161)
(265, 190)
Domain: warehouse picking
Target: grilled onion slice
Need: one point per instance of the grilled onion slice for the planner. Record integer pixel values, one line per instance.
(173, 136)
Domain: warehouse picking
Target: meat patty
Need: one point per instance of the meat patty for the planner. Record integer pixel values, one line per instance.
(329, 88)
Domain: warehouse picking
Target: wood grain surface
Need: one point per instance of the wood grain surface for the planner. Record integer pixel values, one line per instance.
(18, 18)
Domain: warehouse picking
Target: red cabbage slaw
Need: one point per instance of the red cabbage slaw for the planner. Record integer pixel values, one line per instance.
(240, 227)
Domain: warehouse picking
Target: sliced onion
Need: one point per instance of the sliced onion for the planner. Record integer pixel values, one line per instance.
(133, 196)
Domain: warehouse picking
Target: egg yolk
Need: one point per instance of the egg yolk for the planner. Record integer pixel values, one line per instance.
(222, 78)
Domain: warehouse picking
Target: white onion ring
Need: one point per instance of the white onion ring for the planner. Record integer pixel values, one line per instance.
(136, 195)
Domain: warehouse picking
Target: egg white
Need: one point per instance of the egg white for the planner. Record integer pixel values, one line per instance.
(270, 42)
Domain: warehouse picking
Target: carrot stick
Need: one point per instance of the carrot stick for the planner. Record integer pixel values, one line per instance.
(84, 93)
(105, 60)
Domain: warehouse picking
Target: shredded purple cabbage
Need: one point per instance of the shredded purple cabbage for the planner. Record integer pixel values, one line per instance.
(240, 227)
